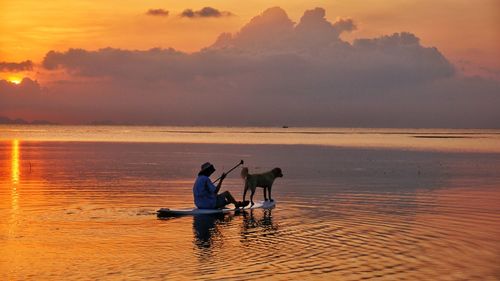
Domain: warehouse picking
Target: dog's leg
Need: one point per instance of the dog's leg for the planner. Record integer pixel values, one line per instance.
(245, 192)
(251, 196)
(269, 190)
(265, 193)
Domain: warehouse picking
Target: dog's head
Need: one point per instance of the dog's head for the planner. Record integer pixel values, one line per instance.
(277, 173)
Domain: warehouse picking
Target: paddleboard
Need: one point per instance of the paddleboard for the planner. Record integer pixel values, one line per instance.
(165, 212)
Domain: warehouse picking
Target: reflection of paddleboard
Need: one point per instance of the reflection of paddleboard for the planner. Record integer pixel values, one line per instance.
(165, 212)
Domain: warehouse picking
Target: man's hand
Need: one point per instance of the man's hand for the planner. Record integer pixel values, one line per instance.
(222, 177)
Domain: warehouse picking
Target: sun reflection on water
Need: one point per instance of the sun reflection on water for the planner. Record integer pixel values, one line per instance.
(15, 175)
(15, 162)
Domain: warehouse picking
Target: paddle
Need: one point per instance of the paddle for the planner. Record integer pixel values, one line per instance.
(241, 163)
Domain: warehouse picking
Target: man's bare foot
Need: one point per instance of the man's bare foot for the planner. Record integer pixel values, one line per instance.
(240, 204)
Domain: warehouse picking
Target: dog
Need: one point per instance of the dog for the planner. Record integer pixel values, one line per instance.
(264, 180)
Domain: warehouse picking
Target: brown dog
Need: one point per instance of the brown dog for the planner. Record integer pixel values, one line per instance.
(264, 180)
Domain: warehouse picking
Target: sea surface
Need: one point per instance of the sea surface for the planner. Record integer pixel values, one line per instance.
(79, 203)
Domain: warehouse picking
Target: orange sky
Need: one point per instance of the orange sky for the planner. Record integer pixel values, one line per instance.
(463, 30)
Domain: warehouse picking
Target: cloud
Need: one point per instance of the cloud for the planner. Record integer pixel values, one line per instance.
(150, 65)
(269, 30)
(273, 72)
(157, 12)
(314, 24)
(344, 25)
(16, 67)
(273, 31)
(21, 97)
(206, 12)
(26, 87)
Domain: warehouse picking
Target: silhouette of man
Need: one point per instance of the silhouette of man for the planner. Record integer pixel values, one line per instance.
(206, 194)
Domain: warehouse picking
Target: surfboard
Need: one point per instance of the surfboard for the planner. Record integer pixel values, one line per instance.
(165, 212)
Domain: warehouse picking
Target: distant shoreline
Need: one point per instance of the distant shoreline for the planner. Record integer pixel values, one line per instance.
(445, 140)
(22, 122)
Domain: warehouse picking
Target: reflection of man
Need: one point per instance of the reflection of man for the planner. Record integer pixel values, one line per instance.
(204, 226)
(206, 193)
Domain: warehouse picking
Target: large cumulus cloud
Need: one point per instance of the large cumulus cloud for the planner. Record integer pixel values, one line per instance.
(271, 43)
(274, 71)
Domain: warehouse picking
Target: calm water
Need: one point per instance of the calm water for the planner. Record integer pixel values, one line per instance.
(354, 204)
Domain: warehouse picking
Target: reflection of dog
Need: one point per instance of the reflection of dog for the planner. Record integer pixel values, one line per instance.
(264, 180)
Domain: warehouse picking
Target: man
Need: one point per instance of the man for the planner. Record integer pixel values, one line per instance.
(206, 193)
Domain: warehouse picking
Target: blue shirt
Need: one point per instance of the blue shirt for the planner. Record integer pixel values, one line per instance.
(204, 193)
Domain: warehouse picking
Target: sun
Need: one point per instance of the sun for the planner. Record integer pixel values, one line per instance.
(15, 80)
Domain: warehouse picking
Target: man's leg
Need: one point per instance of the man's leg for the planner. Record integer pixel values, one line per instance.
(223, 199)
(228, 197)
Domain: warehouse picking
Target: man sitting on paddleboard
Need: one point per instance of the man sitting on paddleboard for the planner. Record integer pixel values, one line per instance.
(206, 193)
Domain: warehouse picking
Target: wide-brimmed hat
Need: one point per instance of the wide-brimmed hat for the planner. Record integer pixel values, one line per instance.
(206, 166)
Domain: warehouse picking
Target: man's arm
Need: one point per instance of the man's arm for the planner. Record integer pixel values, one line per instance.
(220, 183)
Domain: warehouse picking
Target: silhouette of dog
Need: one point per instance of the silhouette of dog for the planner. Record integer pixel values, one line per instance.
(264, 180)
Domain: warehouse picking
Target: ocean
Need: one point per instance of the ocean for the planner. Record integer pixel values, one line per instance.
(79, 203)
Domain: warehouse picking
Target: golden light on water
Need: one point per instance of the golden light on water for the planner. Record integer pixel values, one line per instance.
(15, 162)
(16, 172)
(15, 176)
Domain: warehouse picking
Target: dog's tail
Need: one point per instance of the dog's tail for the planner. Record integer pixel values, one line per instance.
(244, 172)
